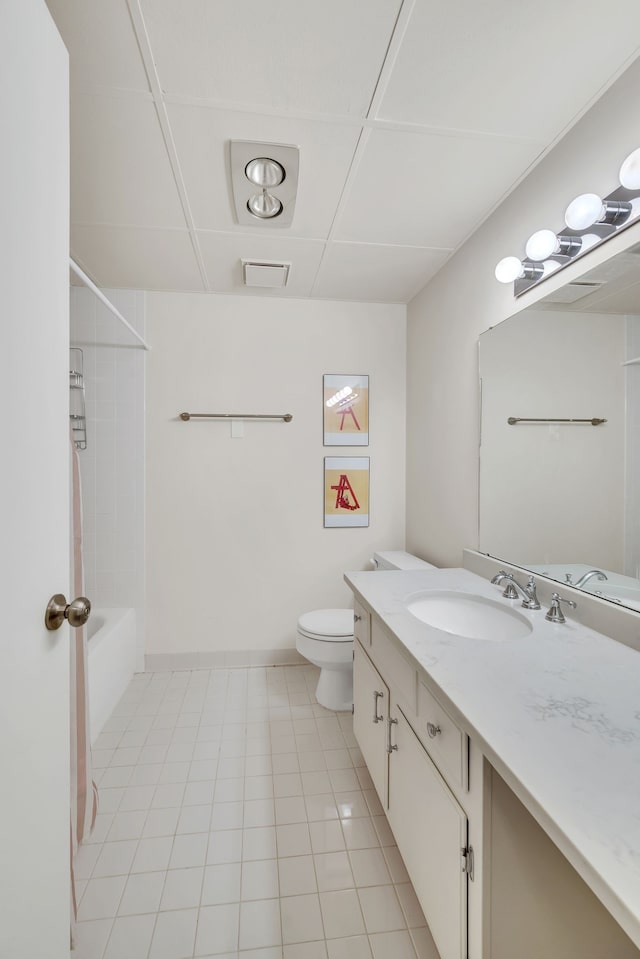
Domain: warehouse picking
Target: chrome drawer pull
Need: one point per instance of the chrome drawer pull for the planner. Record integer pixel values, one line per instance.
(433, 730)
(390, 723)
(356, 618)
(376, 718)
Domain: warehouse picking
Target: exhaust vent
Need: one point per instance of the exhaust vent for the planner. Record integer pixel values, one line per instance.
(265, 274)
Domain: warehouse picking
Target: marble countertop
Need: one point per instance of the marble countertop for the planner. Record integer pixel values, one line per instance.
(557, 714)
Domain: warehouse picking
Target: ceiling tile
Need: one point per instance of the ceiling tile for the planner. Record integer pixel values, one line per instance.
(384, 274)
(202, 139)
(498, 68)
(120, 171)
(428, 190)
(127, 258)
(223, 252)
(289, 55)
(102, 45)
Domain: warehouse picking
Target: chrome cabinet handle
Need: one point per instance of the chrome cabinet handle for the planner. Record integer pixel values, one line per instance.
(433, 730)
(58, 609)
(390, 723)
(376, 718)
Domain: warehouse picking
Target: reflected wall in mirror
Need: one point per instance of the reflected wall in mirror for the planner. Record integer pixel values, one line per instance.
(557, 498)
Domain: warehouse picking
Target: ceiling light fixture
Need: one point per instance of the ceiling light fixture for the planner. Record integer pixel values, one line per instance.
(543, 244)
(264, 178)
(590, 221)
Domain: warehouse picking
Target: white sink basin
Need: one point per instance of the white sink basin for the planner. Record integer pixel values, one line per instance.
(469, 615)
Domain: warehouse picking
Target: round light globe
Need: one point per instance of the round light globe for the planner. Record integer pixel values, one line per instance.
(508, 269)
(542, 244)
(630, 171)
(584, 211)
(264, 206)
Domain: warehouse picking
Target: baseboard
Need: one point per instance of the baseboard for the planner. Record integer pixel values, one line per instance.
(223, 659)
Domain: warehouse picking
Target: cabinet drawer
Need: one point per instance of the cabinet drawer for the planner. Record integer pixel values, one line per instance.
(361, 624)
(400, 674)
(445, 742)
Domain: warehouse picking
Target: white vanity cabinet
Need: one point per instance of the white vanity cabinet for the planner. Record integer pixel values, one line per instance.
(370, 719)
(428, 821)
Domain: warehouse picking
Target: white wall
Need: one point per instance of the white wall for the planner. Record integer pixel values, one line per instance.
(565, 482)
(445, 319)
(112, 465)
(236, 548)
(632, 487)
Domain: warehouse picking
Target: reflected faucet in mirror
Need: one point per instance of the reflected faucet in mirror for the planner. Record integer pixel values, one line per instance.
(579, 583)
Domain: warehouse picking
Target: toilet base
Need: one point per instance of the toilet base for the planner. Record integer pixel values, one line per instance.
(335, 689)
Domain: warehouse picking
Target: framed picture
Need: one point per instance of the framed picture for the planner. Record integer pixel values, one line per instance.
(346, 409)
(346, 491)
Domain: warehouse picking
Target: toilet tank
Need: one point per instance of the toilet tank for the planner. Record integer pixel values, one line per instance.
(398, 559)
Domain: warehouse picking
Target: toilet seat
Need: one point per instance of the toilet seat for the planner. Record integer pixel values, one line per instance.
(327, 625)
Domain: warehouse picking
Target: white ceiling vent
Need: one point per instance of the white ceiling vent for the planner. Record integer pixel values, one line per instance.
(265, 274)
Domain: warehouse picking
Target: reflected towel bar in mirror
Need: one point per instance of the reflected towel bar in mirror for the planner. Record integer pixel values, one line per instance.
(286, 417)
(594, 420)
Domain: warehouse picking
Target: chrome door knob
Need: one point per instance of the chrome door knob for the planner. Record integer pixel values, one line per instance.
(76, 612)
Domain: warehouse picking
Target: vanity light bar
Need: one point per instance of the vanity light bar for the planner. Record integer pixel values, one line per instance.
(590, 220)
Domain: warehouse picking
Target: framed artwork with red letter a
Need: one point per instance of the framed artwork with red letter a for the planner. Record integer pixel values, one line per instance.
(346, 491)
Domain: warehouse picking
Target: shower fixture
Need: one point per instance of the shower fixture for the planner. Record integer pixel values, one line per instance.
(264, 177)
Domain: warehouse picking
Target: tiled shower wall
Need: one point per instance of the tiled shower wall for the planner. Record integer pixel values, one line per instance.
(112, 466)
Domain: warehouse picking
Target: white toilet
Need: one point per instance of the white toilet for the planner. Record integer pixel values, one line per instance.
(325, 638)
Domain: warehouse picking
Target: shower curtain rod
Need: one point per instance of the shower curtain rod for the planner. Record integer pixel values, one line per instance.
(98, 292)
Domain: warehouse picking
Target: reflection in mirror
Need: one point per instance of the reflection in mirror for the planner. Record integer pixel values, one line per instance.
(563, 498)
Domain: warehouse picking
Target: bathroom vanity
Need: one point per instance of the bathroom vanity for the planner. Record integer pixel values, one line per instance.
(506, 754)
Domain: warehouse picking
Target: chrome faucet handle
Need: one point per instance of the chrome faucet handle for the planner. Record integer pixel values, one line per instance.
(567, 579)
(500, 575)
(530, 590)
(510, 592)
(555, 614)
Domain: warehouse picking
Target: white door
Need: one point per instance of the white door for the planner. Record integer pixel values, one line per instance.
(34, 500)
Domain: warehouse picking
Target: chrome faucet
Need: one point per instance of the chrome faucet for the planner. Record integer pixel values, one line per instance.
(514, 589)
(587, 576)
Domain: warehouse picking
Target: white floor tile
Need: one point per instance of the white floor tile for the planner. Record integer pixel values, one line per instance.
(168, 795)
(259, 812)
(259, 843)
(182, 888)
(115, 858)
(290, 809)
(152, 854)
(217, 929)
(316, 782)
(142, 894)
(161, 822)
(297, 875)
(369, 867)
(423, 943)
(260, 879)
(221, 884)
(130, 937)
(410, 906)
(127, 825)
(306, 950)
(132, 798)
(293, 840)
(91, 938)
(381, 909)
(260, 924)
(101, 898)
(341, 914)
(225, 846)
(285, 764)
(174, 934)
(301, 918)
(396, 944)
(333, 871)
(354, 947)
(194, 819)
(85, 860)
(229, 790)
(321, 807)
(326, 836)
(258, 787)
(395, 864)
(360, 834)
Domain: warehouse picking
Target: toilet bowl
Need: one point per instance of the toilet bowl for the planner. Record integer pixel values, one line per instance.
(325, 638)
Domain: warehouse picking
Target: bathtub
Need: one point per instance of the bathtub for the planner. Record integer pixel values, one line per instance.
(111, 641)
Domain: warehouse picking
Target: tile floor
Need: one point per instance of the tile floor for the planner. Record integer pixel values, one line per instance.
(237, 819)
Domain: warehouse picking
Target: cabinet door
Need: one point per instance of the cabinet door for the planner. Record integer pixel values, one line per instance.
(431, 831)
(370, 714)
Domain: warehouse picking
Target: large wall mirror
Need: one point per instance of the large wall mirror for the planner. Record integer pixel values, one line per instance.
(560, 488)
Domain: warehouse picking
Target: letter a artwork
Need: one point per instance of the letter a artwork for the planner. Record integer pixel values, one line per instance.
(344, 488)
